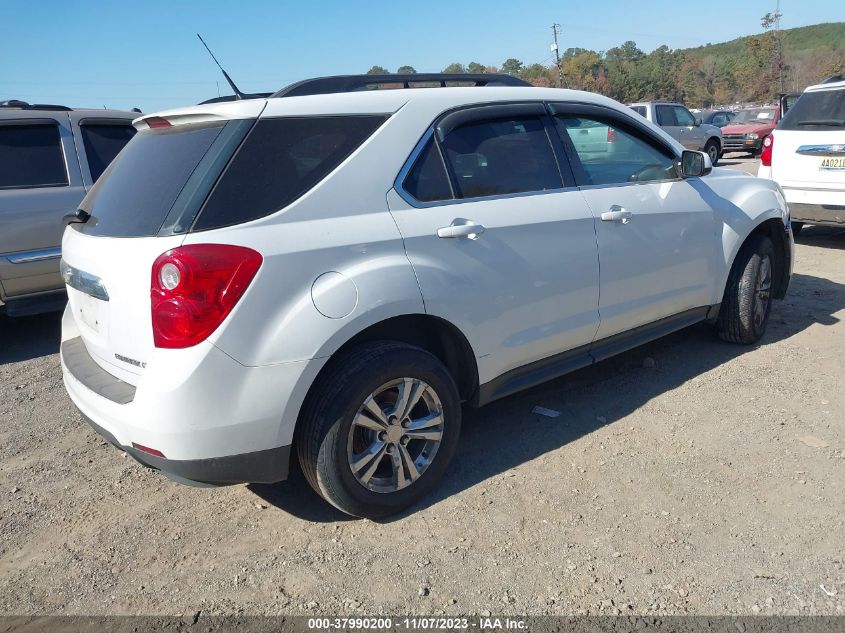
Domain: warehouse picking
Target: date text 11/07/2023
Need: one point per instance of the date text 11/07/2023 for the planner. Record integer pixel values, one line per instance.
(417, 623)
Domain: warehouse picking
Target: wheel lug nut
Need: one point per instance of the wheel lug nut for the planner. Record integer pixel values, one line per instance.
(390, 449)
(382, 436)
(406, 423)
(404, 440)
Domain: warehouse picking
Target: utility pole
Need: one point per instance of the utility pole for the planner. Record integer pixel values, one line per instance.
(557, 56)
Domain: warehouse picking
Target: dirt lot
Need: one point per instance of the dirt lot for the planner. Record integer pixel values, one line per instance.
(688, 476)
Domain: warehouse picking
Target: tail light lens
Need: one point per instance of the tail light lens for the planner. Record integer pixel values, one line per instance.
(611, 135)
(766, 154)
(193, 288)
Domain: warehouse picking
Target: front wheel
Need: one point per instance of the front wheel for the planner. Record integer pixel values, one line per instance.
(744, 313)
(380, 429)
(712, 150)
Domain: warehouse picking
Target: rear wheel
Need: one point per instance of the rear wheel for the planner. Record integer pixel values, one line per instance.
(380, 429)
(712, 150)
(744, 313)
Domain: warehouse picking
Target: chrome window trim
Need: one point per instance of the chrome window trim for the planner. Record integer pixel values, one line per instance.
(26, 257)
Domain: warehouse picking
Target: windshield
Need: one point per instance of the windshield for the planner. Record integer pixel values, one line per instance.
(757, 115)
(818, 110)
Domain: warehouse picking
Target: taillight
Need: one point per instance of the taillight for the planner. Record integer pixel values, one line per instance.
(766, 154)
(611, 135)
(193, 288)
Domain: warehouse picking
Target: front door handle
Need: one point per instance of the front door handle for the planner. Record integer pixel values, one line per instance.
(461, 227)
(617, 214)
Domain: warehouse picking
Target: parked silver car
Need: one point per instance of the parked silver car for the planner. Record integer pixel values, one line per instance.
(683, 126)
(50, 156)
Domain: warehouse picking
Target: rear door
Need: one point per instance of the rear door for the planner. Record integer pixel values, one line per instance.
(658, 239)
(40, 182)
(502, 243)
(809, 148)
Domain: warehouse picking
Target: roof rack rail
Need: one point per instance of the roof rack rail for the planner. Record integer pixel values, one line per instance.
(255, 95)
(354, 83)
(833, 79)
(23, 105)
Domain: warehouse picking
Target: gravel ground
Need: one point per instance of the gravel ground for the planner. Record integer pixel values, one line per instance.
(687, 476)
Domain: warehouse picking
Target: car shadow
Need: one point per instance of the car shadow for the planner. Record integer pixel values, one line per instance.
(506, 434)
(25, 338)
(822, 236)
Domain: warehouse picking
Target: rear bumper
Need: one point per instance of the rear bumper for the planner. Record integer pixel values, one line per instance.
(209, 418)
(830, 214)
(267, 466)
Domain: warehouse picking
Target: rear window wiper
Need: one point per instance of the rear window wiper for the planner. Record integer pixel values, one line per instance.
(824, 122)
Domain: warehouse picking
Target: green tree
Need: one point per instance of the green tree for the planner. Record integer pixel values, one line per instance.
(455, 67)
(475, 67)
(378, 70)
(406, 70)
(512, 66)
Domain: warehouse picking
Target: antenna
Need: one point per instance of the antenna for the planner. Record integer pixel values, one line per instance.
(238, 93)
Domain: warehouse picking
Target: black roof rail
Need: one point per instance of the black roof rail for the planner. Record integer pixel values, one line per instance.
(23, 105)
(832, 79)
(354, 83)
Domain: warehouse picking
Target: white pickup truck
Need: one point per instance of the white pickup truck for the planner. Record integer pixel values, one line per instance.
(683, 126)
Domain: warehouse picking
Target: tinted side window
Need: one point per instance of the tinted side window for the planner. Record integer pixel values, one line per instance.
(280, 160)
(640, 110)
(683, 116)
(498, 157)
(611, 155)
(665, 115)
(102, 143)
(31, 156)
(428, 181)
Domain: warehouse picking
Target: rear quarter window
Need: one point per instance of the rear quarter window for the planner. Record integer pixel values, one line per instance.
(31, 156)
(103, 141)
(280, 160)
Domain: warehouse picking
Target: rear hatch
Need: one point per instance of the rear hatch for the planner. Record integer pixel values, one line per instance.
(809, 143)
(142, 206)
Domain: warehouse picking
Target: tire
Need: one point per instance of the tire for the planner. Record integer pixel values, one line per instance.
(334, 431)
(796, 228)
(744, 313)
(712, 149)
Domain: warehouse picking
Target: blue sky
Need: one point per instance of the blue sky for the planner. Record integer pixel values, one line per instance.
(121, 54)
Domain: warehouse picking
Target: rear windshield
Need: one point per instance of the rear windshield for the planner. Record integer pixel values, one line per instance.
(821, 110)
(205, 176)
(136, 192)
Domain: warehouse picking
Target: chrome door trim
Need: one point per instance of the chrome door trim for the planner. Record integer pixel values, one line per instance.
(27, 257)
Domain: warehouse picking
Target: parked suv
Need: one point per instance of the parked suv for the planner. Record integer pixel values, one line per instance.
(683, 126)
(327, 274)
(49, 157)
(805, 155)
(748, 129)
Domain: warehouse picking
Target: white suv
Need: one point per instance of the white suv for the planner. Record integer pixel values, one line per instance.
(333, 270)
(805, 155)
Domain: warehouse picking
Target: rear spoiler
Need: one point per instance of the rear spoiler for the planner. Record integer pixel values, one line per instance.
(226, 111)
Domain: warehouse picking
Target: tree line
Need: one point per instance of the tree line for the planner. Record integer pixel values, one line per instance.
(752, 69)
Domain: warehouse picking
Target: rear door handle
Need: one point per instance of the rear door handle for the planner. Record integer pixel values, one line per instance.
(461, 227)
(617, 214)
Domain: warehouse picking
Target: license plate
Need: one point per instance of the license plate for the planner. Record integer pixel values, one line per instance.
(89, 312)
(832, 164)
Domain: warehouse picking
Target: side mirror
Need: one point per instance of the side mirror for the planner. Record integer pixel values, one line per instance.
(695, 164)
(698, 120)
